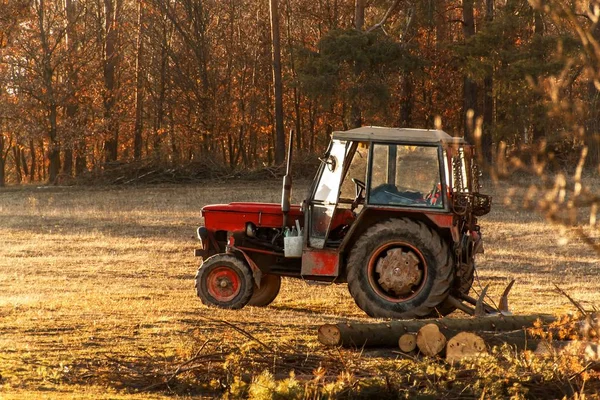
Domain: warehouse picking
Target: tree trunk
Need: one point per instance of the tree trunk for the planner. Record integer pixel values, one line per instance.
(24, 164)
(139, 85)
(277, 84)
(51, 106)
(41, 166)
(406, 100)
(592, 131)
(67, 164)
(54, 163)
(54, 147)
(470, 86)
(71, 79)
(359, 23)
(33, 163)
(16, 149)
(488, 98)
(160, 102)
(387, 334)
(359, 14)
(81, 158)
(4, 148)
(297, 113)
(2, 172)
(112, 14)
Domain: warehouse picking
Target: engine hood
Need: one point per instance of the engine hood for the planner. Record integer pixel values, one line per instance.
(239, 207)
(234, 216)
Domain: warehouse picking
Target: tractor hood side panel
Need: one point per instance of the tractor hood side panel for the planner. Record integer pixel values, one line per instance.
(233, 217)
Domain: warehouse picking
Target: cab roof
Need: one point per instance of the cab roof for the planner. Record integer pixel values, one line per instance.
(403, 135)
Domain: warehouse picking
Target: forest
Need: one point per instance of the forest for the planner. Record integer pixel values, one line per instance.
(89, 84)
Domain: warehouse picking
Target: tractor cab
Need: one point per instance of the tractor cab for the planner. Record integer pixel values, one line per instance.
(362, 169)
(392, 212)
(387, 171)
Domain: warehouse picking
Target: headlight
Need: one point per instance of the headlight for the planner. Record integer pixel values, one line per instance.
(202, 234)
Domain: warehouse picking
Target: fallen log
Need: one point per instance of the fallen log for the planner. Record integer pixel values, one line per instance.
(519, 339)
(465, 345)
(387, 334)
(430, 340)
(407, 342)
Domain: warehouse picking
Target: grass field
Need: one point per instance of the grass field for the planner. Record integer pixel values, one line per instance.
(97, 295)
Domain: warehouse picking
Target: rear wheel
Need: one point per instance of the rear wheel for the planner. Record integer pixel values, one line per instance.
(224, 281)
(267, 292)
(400, 268)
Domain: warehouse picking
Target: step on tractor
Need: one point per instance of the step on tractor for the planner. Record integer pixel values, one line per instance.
(391, 212)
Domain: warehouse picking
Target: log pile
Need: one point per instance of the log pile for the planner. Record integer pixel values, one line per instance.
(457, 339)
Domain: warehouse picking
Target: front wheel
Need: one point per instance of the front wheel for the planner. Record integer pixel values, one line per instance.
(224, 281)
(400, 268)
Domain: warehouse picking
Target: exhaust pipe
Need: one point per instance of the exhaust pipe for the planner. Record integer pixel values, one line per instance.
(287, 182)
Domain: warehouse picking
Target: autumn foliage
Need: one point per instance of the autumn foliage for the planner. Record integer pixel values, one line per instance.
(87, 84)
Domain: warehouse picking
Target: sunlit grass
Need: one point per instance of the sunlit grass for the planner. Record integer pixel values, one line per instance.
(93, 275)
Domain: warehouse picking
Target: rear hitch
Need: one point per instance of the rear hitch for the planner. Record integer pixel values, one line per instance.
(478, 307)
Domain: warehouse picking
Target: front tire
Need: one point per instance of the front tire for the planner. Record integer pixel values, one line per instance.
(224, 281)
(400, 268)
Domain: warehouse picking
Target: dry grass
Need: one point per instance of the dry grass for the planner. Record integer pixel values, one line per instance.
(96, 292)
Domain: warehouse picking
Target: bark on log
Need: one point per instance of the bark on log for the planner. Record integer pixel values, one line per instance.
(465, 345)
(518, 339)
(387, 334)
(430, 340)
(407, 342)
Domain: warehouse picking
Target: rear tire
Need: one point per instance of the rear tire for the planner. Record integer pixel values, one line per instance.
(224, 281)
(419, 296)
(268, 291)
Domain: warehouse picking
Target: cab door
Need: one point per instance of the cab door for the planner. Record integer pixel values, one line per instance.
(317, 260)
(325, 194)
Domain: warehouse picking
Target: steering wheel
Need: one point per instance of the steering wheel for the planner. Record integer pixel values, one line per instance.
(359, 190)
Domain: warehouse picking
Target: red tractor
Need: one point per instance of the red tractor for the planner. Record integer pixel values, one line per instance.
(392, 212)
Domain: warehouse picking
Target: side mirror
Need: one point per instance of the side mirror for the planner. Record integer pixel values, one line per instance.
(331, 162)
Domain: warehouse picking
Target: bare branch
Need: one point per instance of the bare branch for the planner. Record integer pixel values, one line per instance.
(385, 17)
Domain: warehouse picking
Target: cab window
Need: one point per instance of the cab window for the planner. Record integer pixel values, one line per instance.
(406, 176)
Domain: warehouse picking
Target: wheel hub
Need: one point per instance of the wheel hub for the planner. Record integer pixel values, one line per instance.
(223, 284)
(398, 271)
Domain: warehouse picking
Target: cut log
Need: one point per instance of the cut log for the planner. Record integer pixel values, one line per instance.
(408, 342)
(430, 340)
(387, 334)
(465, 345)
